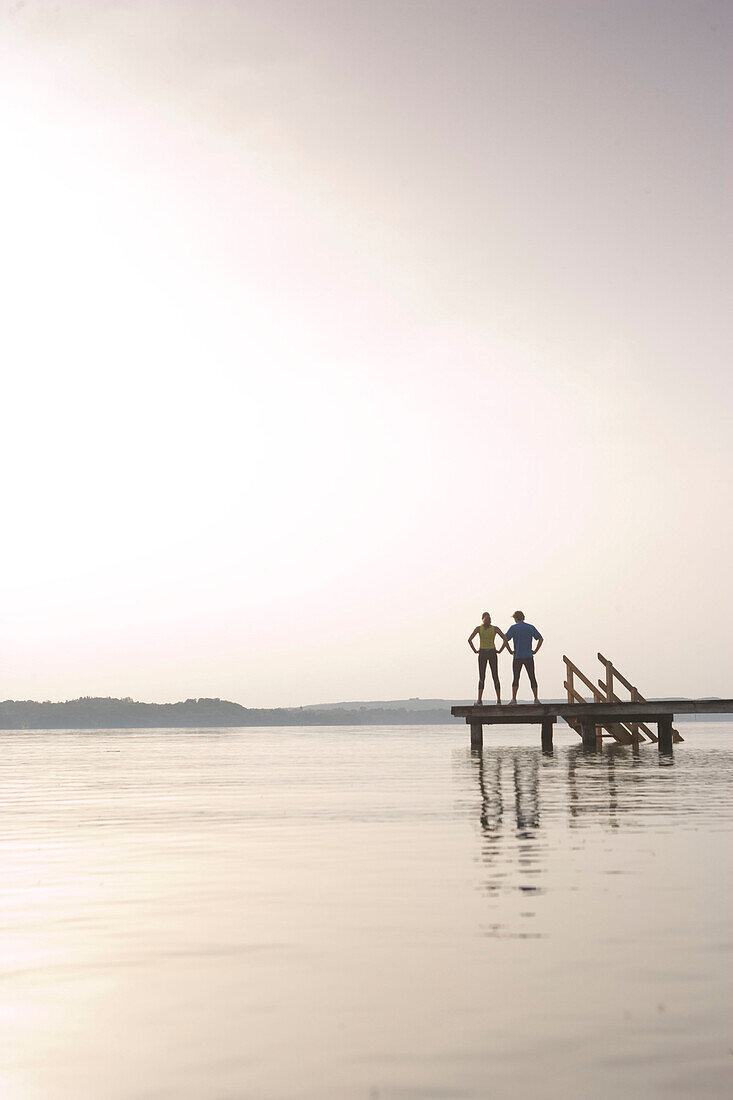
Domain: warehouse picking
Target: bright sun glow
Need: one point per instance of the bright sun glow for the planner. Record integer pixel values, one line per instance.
(289, 342)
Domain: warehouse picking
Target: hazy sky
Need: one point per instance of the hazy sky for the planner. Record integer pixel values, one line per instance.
(329, 324)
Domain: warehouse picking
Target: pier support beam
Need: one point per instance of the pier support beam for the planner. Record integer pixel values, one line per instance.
(588, 726)
(477, 735)
(664, 730)
(547, 728)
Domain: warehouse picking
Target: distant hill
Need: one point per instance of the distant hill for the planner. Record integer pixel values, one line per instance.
(392, 704)
(97, 713)
(103, 713)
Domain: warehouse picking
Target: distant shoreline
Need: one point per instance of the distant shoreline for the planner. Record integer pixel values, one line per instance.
(103, 713)
(106, 713)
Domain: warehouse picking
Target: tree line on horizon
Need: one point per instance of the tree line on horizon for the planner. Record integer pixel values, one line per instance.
(90, 712)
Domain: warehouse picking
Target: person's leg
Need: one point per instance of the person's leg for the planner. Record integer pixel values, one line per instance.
(494, 664)
(532, 678)
(516, 669)
(482, 658)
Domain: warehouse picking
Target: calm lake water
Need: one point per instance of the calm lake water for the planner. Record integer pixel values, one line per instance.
(252, 914)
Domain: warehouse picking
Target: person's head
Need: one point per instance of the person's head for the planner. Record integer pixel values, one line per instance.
(486, 618)
(518, 616)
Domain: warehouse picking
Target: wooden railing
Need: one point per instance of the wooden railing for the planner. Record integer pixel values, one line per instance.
(625, 733)
(612, 673)
(617, 730)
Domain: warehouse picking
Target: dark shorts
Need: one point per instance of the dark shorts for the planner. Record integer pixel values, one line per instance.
(524, 662)
(489, 655)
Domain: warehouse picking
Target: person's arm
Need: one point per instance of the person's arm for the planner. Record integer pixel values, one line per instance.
(502, 635)
(540, 640)
(470, 640)
(506, 637)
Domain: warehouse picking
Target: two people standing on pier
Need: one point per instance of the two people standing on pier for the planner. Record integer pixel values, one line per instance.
(522, 634)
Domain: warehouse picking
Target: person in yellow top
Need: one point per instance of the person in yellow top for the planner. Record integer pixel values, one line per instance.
(487, 652)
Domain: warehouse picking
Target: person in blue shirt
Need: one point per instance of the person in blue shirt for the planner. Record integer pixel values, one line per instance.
(522, 635)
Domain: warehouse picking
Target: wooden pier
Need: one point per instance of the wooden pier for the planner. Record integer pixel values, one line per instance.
(587, 718)
(604, 715)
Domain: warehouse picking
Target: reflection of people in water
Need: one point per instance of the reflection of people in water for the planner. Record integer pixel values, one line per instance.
(590, 792)
(526, 792)
(526, 781)
(522, 634)
(487, 654)
(525, 802)
(511, 848)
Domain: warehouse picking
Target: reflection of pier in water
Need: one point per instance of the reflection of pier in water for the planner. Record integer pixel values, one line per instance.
(509, 832)
(520, 829)
(592, 783)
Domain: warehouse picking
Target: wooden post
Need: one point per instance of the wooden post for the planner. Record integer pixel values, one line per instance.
(609, 682)
(570, 684)
(547, 728)
(477, 735)
(588, 727)
(664, 730)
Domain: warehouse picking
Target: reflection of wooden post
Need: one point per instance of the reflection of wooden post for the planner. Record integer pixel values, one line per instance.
(477, 735)
(547, 728)
(588, 727)
(664, 730)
